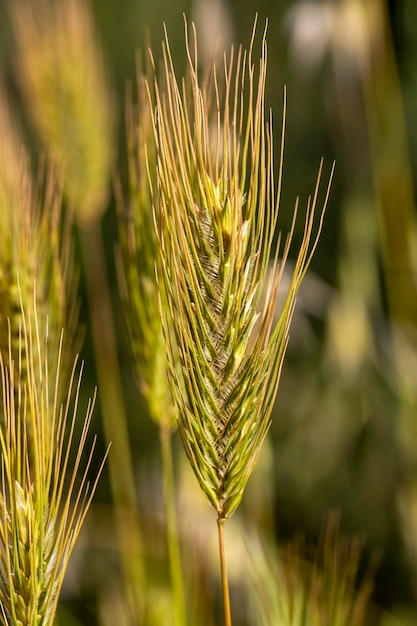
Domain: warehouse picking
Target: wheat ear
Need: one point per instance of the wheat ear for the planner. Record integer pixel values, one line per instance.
(36, 244)
(136, 259)
(63, 77)
(296, 585)
(138, 255)
(216, 219)
(43, 500)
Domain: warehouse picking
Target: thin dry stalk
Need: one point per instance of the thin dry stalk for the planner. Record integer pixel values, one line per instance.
(224, 577)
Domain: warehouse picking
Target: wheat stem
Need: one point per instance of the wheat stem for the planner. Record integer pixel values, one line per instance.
(172, 527)
(223, 570)
(114, 418)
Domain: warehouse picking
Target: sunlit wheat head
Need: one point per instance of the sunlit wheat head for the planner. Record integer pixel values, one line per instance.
(45, 490)
(216, 210)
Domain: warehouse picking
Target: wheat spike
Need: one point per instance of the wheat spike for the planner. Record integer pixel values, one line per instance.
(137, 259)
(44, 497)
(36, 245)
(216, 214)
(66, 91)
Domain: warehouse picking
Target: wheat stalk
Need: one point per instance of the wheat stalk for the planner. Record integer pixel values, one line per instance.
(216, 220)
(43, 500)
(62, 73)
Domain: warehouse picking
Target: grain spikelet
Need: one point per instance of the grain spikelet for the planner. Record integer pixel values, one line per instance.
(36, 245)
(43, 496)
(137, 259)
(216, 217)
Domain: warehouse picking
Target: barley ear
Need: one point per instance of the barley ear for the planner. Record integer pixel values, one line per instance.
(45, 492)
(216, 221)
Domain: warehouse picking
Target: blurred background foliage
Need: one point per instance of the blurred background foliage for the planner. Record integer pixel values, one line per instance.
(344, 432)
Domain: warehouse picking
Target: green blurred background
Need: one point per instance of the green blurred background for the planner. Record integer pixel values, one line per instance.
(345, 425)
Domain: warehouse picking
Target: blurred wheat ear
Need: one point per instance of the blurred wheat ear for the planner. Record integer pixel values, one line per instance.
(36, 244)
(137, 258)
(64, 82)
(216, 216)
(63, 77)
(290, 590)
(44, 495)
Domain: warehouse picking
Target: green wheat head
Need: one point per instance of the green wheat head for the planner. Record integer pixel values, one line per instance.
(216, 220)
(43, 499)
(137, 261)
